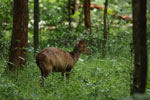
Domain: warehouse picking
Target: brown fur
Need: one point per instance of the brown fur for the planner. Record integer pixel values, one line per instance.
(56, 60)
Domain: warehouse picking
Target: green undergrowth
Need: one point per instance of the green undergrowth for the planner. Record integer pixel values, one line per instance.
(92, 78)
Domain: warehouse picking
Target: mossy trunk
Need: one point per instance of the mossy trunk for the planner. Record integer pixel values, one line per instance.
(19, 40)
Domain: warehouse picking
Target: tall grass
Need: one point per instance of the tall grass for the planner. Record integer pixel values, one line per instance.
(92, 78)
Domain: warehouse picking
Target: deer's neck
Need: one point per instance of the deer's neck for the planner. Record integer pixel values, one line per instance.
(75, 54)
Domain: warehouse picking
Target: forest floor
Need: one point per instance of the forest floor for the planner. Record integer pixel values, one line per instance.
(92, 78)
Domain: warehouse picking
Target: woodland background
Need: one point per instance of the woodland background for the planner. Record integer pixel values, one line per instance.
(106, 74)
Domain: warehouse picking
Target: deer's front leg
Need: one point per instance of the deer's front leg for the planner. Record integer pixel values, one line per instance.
(68, 70)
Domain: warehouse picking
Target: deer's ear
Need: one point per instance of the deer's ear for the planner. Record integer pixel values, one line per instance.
(82, 42)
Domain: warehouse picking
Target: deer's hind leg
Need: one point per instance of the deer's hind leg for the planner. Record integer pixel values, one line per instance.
(45, 71)
(62, 74)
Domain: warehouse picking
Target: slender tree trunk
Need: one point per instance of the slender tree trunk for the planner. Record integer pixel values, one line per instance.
(19, 40)
(75, 6)
(69, 13)
(105, 29)
(87, 15)
(36, 25)
(140, 46)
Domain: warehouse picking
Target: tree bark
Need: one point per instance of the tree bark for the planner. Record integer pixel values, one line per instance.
(105, 29)
(36, 25)
(140, 46)
(19, 40)
(69, 13)
(75, 6)
(87, 16)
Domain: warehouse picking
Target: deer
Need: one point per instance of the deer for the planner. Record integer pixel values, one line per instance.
(54, 59)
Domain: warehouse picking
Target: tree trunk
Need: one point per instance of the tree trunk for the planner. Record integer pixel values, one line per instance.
(19, 40)
(36, 25)
(87, 16)
(75, 6)
(69, 13)
(140, 47)
(105, 29)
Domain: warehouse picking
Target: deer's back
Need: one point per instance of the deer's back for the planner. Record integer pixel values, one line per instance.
(54, 57)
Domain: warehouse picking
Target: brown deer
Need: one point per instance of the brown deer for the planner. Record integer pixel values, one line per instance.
(56, 60)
